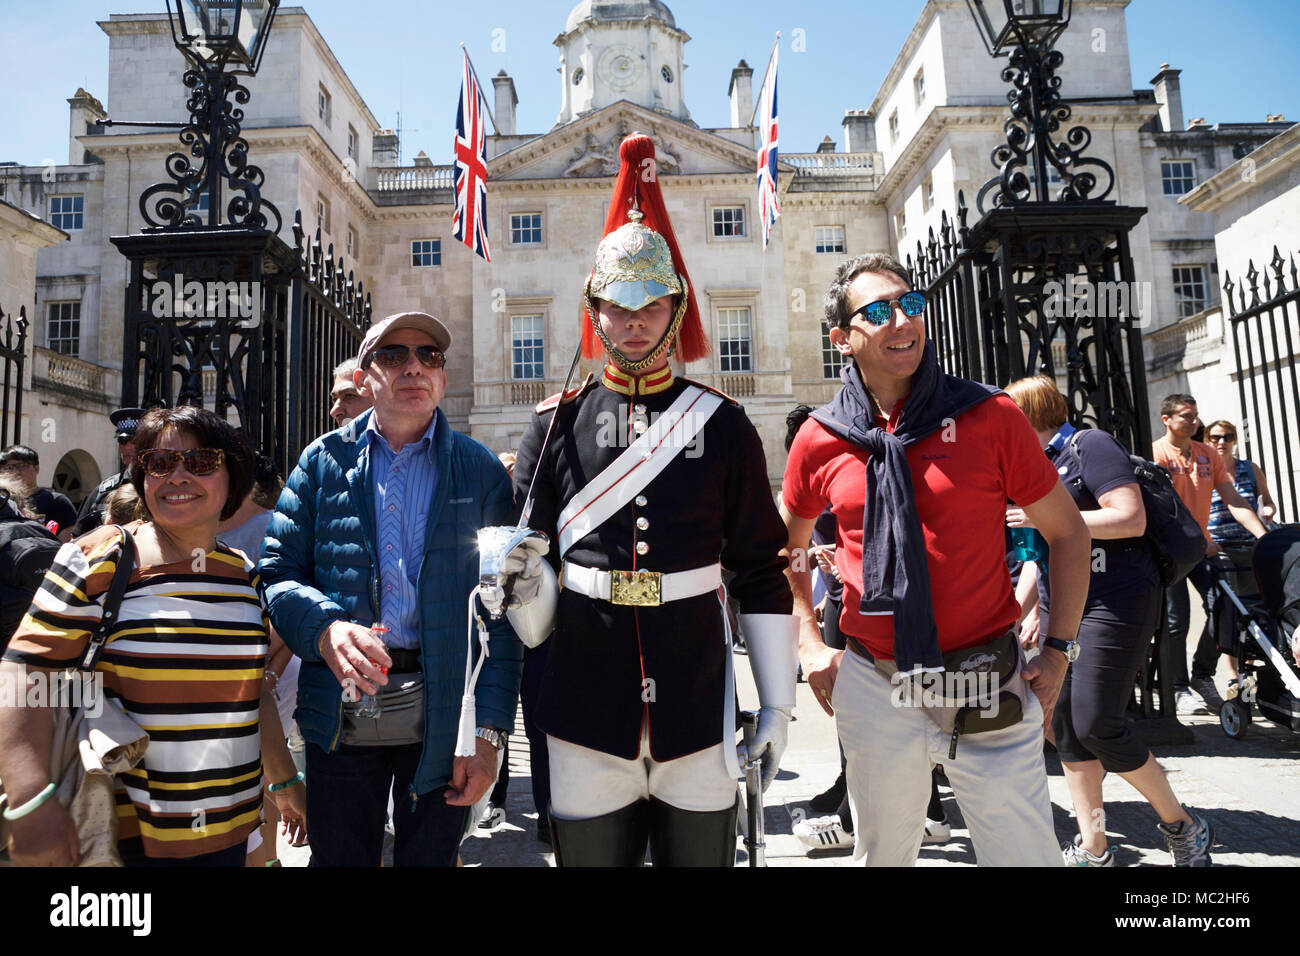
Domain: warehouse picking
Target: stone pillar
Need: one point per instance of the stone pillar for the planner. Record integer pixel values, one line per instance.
(859, 131)
(83, 111)
(506, 101)
(1169, 97)
(742, 95)
(383, 150)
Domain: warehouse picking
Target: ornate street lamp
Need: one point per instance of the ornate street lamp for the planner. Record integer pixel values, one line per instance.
(1026, 31)
(221, 40)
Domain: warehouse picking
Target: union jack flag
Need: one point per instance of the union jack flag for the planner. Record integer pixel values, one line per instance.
(469, 224)
(769, 204)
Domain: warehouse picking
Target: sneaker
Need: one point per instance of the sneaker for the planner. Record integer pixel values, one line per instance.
(1209, 693)
(818, 833)
(493, 817)
(1188, 703)
(1076, 855)
(829, 801)
(937, 831)
(1190, 845)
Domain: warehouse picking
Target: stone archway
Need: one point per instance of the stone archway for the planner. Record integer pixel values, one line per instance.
(76, 475)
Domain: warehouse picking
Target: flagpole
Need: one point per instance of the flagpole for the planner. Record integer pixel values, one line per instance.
(761, 85)
(481, 92)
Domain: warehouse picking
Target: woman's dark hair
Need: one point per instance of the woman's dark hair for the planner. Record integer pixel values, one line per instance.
(209, 431)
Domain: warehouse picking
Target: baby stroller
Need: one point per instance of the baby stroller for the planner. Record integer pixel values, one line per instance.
(1254, 610)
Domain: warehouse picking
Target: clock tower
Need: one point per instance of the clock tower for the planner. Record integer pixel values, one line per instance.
(614, 50)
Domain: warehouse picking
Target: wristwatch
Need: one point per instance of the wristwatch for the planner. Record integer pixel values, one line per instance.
(495, 737)
(1069, 648)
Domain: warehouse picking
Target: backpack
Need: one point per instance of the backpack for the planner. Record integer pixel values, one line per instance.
(27, 550)
(1177, 541)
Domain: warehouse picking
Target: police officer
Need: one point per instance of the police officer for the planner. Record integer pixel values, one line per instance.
(91, 515)
(648, 487)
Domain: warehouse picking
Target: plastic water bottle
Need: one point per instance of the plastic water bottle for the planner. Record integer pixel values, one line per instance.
(369, 705)
(1027, 544)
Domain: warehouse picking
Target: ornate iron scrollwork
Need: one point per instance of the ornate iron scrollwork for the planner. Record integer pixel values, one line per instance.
(214, 138)
(1031, 150)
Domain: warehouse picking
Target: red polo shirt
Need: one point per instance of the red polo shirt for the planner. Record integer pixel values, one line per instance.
(962, 476)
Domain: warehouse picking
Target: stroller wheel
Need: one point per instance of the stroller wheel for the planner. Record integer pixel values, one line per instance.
(1234, 718)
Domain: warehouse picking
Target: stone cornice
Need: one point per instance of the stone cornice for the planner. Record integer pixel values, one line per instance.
(943, 119)
(1277, 156)
(20, 225)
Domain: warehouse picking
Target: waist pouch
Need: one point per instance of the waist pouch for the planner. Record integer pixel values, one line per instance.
(1000, 658)
(400, 720)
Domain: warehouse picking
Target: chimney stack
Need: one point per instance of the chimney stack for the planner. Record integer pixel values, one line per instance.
(742, 95)
(1169, 97)
(859, 131)
(83, 112)
(506, 101)
(383, 150)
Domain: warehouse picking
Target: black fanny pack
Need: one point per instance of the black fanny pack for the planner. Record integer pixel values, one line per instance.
(401, 715)
(1000, 659)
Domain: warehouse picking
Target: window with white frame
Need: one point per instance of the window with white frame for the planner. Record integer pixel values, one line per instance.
(728, 222)
(833, 360)
(735, 346)
(527, 348)
(323, 213)
(1189, 290)
(323, 102)
(918, 86)
(63, 328)
(66, 212)
(927, 194)
(828, 238)
(893, 127)
(900, 225)
(352, 242)
(1178, 176)
(426, 252)
(352, 141)
(525, 229)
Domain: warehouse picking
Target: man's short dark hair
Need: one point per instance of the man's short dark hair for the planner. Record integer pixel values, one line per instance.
(210, 431)
(1174, 402)
(837, 296)
(21, 453)
(794, 421)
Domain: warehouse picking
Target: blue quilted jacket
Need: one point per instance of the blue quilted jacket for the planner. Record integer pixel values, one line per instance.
(320, 565)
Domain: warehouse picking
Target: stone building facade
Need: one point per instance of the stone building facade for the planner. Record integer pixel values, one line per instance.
(515, 320)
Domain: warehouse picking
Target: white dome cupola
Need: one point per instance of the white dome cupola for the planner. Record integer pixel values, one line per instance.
(614, 50)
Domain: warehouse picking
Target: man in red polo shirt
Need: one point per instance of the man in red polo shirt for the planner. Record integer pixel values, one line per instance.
(918, 467)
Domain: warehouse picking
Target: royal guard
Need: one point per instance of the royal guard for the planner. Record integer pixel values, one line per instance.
(648, 486)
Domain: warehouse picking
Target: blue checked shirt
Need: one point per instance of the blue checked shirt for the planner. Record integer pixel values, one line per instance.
(404, 482)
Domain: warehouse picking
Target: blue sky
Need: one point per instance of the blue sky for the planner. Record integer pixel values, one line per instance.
(403, 55)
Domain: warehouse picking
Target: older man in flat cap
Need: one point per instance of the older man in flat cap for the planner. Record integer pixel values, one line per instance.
(369, 563)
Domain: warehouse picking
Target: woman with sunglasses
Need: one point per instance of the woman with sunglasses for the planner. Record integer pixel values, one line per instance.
(1119, 617)
(1235, 542)
(185, 658)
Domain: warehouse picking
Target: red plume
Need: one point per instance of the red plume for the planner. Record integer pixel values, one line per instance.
(638, 176)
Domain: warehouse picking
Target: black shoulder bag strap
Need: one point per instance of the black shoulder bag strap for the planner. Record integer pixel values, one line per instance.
(112, 602)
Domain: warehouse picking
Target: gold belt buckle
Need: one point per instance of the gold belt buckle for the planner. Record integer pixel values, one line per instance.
(639, 588)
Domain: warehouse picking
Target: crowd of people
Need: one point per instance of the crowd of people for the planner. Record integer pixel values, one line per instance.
(325, 656)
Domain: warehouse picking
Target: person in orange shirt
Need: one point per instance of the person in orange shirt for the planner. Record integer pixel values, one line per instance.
(1197, 472)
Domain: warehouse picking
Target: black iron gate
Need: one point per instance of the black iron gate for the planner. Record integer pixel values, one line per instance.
(1265, 330)
(1043, 288)
(13, 363)
(237, 317)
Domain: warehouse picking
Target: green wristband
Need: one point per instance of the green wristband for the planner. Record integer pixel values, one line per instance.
(17, 813)
(277, 787)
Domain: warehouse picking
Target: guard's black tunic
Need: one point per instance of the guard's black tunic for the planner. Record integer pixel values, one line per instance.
(609, 665)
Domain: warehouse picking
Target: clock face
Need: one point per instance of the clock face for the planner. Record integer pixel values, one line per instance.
(620, 67)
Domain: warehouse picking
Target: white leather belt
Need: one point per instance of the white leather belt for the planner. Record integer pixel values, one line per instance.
(641, 588)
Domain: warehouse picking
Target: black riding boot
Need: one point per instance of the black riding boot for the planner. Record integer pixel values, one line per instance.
(690, 838)
(615, 839)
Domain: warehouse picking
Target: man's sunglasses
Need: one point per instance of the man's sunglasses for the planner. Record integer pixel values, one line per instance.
(878, 313)
(396, 356)
(161, 462)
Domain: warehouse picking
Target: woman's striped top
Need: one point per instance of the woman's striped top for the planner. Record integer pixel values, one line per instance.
(185, 659)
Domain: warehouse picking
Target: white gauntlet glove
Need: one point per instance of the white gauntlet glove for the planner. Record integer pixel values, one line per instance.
(771, 640)
(521, 571)
(769, 741)
(534, 591)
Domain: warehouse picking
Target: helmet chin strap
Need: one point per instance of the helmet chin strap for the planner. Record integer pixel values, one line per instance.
(662, 347)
